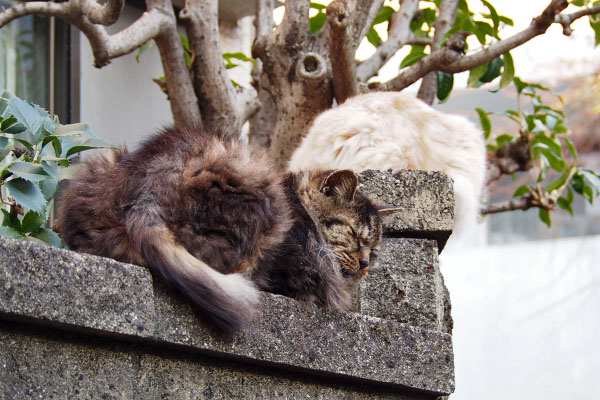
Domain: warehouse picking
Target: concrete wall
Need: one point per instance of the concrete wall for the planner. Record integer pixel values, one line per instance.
(80, 326)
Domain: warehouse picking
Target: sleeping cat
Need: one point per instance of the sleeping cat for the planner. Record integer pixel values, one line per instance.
(217, 221)
(391, 130)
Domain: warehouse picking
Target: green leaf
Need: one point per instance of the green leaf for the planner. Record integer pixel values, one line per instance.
(506, 20)
(493, 14)
(595, 24)
(26, 114)
(29, 171)
(521, 190)
(317, 6)
(508, 72)
(32, 221)
(11, 220)
(68, 172)
(502, 139)
(493, 70)
(8, 232)
(555, 162)
(240, 56)
(77, 129)
(416, 53)
(11, 125)
(143, 48)
(483, 29)
(49, 188)
(565, 205)
(317, 22)
(485, 122)
(384, 14)
(558, 182)
(27, 194)
(445, 82)
(579, 3)
(554, 145)
(373, 37)
(475, 74)
(48, 236)
(88, 144)
(545, 217)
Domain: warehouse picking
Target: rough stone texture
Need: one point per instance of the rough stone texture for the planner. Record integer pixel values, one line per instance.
(52, 287)
(37, 363)
(427, 200)
(407, 286)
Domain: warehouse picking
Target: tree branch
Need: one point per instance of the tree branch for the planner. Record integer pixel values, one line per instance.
(106, 14)
(443, 23)
(398, 34)
(567, 19)
(296, 16)
(522, 203)
(452, 52)
(365, 14)
(264, 22)
(341, 49)
(212, 84)
(60, 10)
(184, 104)
(444, 60)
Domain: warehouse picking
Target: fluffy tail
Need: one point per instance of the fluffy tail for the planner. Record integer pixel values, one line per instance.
(230, 301)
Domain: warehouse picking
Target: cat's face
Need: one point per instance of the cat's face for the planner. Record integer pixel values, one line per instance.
(350, 222)
(354, 233)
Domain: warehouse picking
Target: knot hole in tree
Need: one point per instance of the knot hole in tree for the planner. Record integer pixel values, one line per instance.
(311, 67)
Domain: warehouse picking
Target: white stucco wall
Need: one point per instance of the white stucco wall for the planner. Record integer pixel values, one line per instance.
(526, 320)
(122, 103)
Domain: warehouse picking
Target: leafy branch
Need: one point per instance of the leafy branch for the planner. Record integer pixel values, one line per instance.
(36, 153)
(542, 146)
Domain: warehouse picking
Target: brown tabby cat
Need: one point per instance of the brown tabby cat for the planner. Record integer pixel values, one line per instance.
(216, 220)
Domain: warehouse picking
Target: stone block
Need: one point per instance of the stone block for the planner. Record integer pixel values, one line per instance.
(52, 287)
(407, 286)
(427, 200)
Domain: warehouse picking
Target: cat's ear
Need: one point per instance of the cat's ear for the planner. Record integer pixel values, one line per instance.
(342, 182)
(385, 212)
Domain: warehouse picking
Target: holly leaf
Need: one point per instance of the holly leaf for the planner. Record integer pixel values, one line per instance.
(27, 194)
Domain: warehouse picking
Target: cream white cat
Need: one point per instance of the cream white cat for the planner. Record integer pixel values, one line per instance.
(391, 130)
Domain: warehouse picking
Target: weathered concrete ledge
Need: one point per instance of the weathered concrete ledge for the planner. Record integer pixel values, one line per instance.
(45, 286)
(427, 199)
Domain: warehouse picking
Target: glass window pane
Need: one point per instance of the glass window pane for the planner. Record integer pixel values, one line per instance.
(25, 57)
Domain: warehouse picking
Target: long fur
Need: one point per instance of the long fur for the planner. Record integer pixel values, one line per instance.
(151, 208)
(217, 221)
(390, 130)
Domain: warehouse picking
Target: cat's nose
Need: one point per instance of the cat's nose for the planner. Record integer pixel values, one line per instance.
(364, 263)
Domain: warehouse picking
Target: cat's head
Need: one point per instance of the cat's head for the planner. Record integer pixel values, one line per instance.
(350, 222)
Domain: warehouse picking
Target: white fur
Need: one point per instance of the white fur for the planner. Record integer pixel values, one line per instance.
(390, 130)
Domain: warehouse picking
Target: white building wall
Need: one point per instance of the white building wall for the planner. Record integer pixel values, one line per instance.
(526, 322)
(122, 103)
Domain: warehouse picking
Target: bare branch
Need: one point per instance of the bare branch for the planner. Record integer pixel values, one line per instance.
(365, 14)
(296, 16)
(522, 203)
(212, 85)
(341, 49)
(443, 23)
(264, 22)
(61, 10)
(567, 19)
(106, 14)
(398, 34)
(147, 27)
